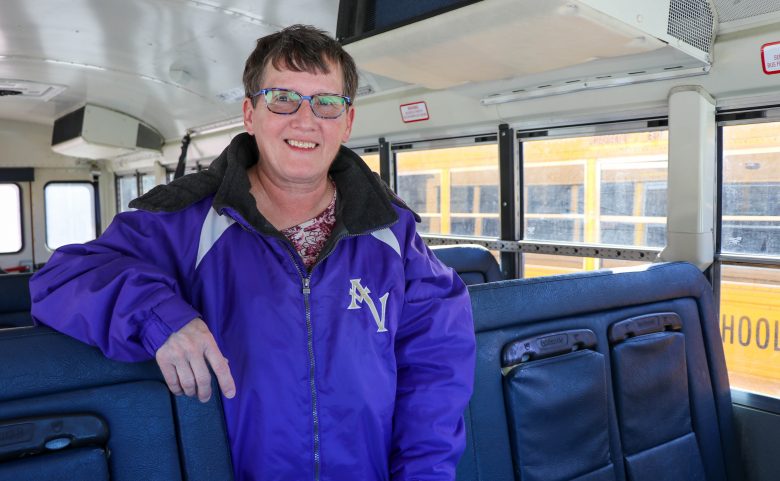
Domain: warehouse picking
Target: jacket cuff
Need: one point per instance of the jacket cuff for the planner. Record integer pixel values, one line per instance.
(166, 318)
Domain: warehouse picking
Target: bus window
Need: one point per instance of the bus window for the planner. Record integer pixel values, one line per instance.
(750, 226)
(10, 219)
(148, 182)
(601, 189)
(126, 190)
(454, 189)
(372, 160)
(751, 189)
(70, 213)
(750, 327)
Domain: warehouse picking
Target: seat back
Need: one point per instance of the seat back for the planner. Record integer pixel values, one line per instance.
(473, 263)
(64, 408)
(606, 376)
(15, 300)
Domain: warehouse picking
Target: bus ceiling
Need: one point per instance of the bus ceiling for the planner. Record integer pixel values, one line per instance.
(176, 65)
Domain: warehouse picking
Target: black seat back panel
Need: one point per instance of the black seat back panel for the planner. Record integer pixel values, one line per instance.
(677, 459)
(15, 300)
(686, 407)
(559, 424)
(140, 420)
(651, 390)
(69, 465)
(153, 435)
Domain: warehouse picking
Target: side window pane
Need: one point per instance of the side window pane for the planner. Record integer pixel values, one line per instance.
(10, 219)
(70, 213)
(148, 182)
(126, 190)
(422, 193)
(372, 160)
(751, 189)
(604, 189)
(455, 190)
(750, 326)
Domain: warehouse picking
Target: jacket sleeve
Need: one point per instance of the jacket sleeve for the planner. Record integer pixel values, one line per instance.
(121, 292)
(435, 357)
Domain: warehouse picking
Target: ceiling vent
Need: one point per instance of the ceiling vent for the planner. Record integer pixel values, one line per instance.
(23, 89)
(501, 40)
(93, 132)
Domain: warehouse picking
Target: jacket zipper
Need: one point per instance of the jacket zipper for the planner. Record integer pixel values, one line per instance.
(312, 383)
(306, 291)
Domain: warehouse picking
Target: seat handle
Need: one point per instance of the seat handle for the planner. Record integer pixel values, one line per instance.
(546, 345)
(35, 435)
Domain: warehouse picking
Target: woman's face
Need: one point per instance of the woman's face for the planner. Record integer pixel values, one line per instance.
(297, 149)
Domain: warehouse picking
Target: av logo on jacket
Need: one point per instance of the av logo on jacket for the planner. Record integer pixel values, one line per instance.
(360, 294)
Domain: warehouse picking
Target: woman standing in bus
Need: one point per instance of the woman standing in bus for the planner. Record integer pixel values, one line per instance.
(351, 347)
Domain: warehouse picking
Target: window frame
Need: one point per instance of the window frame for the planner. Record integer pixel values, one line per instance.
(725, 118)
(21, 219)
(582, 249)
(448, 143)
(95, 208)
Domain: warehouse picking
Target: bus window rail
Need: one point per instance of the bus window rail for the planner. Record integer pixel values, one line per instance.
(565, 249)
(749, 260)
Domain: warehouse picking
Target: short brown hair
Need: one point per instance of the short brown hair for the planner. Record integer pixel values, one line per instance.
(300, 48)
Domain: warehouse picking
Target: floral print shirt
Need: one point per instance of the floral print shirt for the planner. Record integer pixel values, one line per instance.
(309, 237)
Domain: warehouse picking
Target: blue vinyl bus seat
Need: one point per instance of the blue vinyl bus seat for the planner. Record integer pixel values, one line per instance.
(69, 414)
(473, 263)
(600, 376)
(15, 300)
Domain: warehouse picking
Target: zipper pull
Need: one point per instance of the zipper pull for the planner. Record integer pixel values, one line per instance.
(306, 288)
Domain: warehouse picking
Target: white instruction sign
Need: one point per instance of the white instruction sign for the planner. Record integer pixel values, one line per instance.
(770, 57)
(414, 112)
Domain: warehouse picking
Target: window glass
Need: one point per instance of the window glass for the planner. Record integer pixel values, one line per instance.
(751, 189)
(455, 190)
(603, 189)
(126, 190)
(422, 193)
(148, 182)
(10, 218)
(750, 327)
(372, 160)
(70, 213)
(536, 265)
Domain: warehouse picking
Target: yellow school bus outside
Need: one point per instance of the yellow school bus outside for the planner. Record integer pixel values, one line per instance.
(749, 320)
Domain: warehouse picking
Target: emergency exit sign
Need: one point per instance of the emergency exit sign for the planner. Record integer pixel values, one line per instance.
(414, 112)
(770, 57)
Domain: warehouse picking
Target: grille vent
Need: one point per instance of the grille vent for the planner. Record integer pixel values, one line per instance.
(693, 22)
(729, 10)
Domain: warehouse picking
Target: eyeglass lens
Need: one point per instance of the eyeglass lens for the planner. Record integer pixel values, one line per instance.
(288, 101)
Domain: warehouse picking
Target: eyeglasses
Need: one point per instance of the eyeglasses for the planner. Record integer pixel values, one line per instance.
(287, 102)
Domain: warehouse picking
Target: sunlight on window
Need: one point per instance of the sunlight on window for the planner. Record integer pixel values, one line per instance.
(70, 213)
(10, 219)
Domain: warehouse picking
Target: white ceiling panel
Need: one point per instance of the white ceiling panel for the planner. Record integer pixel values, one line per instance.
(162, 61)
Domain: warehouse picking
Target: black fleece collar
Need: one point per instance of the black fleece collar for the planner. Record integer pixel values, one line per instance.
(364, 201)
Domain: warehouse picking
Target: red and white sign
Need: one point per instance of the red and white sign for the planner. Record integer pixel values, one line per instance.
(770, 57)
(414, 112)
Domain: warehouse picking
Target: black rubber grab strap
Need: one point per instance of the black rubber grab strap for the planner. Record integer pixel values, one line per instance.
(546, 345)
(641, 325)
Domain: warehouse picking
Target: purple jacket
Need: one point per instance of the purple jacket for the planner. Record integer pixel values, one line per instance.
(358, 370)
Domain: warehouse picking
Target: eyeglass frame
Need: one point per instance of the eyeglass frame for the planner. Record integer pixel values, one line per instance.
(300, 102)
